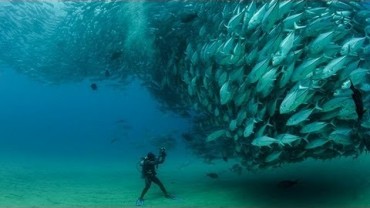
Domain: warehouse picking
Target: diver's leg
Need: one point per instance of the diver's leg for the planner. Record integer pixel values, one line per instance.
(148, 182)
(159, 183)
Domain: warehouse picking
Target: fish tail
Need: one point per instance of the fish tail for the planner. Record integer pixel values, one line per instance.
(269, 123)
(305, 138)
(281, 143)
(332, 123)
(298, 27)
(317, 107)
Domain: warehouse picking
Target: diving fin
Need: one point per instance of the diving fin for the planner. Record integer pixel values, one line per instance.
(139, 202)
(170, 196)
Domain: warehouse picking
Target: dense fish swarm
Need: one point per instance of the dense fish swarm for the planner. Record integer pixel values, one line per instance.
(269, 82)
(273, 81)
(62, 41)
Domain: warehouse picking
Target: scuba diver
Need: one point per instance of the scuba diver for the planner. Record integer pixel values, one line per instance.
(149, 164)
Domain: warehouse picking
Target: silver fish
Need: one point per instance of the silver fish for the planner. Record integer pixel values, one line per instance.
(225, 93)
(305, 68)
(321, 42)
(258, 70)
(215, 135)
(273, 156)
(352, 46)
(266, 83)
(341, 136)
(271, 16)
(235, 21)
(299, 117)
(251, 9)
(334, 103)
(285, 47)
(313, 127)
(316, 143)
(265, 141)
(334, 66)
(287, 138)
(294, 99)
(257, 18)
(249, 126)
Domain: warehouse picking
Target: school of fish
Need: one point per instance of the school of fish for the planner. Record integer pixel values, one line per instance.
(283, 80)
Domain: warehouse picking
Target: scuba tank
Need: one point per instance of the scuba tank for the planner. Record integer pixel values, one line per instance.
(139, 164)
(150, 156)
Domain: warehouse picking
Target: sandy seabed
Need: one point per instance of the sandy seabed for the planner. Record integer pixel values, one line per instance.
(31, 182)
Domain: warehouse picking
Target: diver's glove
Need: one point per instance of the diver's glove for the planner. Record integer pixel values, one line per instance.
(163, 152)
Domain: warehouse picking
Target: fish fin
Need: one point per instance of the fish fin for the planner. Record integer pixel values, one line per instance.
(305, 138)
(341, 152)
(332, 123)
(317, 107)
(268, 123)
(328, 57)
(297, 27)
(288, 30)
(258, 120)
(302, 87)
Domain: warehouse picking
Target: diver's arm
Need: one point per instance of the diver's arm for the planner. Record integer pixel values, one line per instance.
(162, 155)
(159, 160)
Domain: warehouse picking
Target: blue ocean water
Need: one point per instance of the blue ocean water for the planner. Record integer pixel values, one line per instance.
(72, 120)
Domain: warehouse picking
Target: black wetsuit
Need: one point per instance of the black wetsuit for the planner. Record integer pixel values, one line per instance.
(149, 174)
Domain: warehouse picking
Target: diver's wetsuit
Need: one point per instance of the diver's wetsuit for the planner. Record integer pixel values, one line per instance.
(149, 174)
